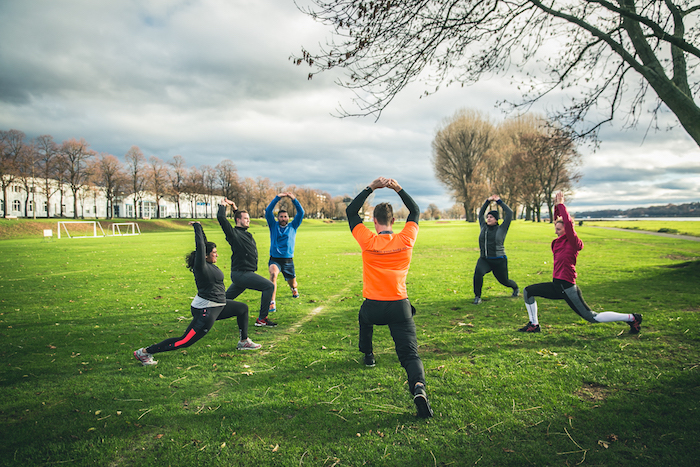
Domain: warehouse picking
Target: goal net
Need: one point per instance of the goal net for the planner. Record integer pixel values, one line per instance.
(125, 228)
(79, 229)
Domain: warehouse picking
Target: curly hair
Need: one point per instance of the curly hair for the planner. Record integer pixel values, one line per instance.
(189, 257)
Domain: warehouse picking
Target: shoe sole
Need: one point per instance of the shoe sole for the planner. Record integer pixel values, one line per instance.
(249, 348)
(266, 325)
(423, 406)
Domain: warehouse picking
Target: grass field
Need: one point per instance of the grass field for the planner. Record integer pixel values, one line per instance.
(73, 311)
(670, 226)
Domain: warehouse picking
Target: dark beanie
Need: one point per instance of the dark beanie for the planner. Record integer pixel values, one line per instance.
(493, 213)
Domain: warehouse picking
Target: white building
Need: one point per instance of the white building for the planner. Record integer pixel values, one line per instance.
(92, 203)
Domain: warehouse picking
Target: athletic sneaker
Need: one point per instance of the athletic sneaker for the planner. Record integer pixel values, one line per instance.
(529, 327)
(476, 301)
(265, 322)
(369, 359)
(144, 357)
(636, 325)
(295, 293)
(248, 345)
(272, 308)
(516, 291)
(422, 404)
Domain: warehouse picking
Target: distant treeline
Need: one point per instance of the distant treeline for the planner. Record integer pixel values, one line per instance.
(669, 210)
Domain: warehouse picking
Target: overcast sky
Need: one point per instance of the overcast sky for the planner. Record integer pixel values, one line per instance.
(212, 80)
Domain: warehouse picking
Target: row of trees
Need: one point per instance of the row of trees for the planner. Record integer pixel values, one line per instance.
(72, 165)
(525, 160)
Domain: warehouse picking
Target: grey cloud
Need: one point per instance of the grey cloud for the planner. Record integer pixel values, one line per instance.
(212, 80)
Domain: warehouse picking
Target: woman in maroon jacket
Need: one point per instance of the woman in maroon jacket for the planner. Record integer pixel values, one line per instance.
(563, 286)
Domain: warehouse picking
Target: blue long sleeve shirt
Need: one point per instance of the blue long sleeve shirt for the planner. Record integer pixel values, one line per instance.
(283, 239)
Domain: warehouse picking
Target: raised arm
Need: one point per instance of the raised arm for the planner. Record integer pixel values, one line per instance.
(269, 215)
(200, 243)
(413, 209)
(299, 216)
(561, 211)
(507, 214)
(482, 211)
(353, 209)
(221, 217)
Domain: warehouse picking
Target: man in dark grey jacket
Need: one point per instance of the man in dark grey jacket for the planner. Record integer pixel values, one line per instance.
(244, 260)
(493, 254)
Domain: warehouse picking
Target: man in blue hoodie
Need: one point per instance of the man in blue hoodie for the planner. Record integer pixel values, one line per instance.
(282, 240)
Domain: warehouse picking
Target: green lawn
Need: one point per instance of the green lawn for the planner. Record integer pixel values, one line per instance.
(670, 226)
(73, 311)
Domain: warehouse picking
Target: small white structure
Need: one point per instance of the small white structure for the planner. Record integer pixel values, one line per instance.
(48, 235)
(130, 228)
(65, 224)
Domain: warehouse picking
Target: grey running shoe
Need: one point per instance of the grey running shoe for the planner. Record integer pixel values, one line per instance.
(529, 327)
(369, 359)
(422, 404)
(144, 357)
(248, 345)
(476, 301)
(636, 325)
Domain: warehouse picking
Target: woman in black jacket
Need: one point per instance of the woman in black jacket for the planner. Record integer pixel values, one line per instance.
(209, 305)
(493, 255)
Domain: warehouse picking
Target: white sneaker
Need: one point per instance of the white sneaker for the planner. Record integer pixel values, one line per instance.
(144, 357)
(248, 345)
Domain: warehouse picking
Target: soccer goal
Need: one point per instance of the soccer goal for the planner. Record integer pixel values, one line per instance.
(125, 228)
(80, 229)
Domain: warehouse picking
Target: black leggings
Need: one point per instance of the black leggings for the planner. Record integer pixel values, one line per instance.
(398, 315)
(202, 321)
(242, 280)
(560, 289)
(499, 266)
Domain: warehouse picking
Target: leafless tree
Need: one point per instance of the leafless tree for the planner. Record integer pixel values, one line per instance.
(432, 212)
(157, 180)
(553, 161)
(228, 179)
(178, 179)
(605, 54)
(261, 196)
(136, 161)
(460, 149)
(109, 171)
(26, 171)
(194, 187)
(506, 178)
(47, 151)
(76, 155)
(209, 181)
(247, 195)
(456, 211)
(12, 145)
